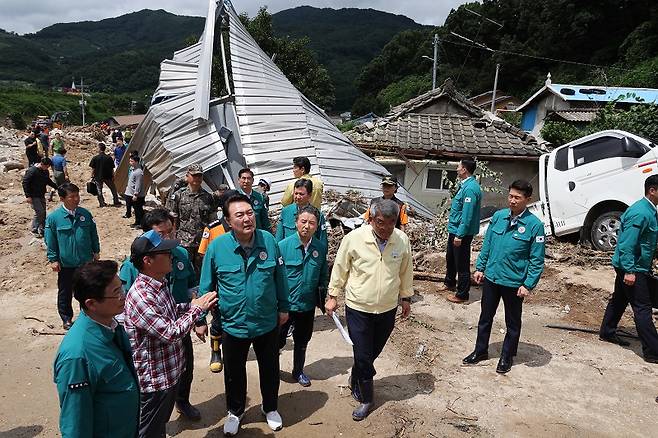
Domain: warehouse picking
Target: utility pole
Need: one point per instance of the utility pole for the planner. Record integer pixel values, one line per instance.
(436, 60)
(493, 96)
(82, 100)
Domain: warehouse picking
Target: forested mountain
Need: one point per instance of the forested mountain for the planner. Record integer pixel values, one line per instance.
(345, 40)
(116, 54)
(123, 54)
(602, 42)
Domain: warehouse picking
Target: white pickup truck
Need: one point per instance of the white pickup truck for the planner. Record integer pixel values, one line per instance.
(585, 185)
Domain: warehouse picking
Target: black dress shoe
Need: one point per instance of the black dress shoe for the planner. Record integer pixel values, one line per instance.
(475, 357)
(651, 358)
(615, 339)
(188, 411)
(504, 365)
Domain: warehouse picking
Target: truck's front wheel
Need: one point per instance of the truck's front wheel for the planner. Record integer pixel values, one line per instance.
(603, 234)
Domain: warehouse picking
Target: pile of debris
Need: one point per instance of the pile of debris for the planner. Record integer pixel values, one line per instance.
(11, 152)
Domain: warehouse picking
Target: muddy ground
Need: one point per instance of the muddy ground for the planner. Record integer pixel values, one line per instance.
(563, 383)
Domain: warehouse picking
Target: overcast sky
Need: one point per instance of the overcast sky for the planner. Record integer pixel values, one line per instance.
(27, 16)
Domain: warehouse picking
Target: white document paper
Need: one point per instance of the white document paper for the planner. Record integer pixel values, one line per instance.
(341, 329)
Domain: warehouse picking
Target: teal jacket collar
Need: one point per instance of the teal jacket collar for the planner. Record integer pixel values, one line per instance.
(94, 328)
(650, 205)
(523, 217)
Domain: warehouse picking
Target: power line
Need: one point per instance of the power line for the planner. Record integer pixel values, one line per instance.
(544, 58)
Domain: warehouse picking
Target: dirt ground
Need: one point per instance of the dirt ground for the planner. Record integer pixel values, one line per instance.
(563, 383)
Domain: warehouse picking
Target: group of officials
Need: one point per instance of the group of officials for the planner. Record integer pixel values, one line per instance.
(258, 286)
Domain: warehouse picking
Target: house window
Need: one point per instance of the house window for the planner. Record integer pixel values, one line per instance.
(440, 179)
(434, 179)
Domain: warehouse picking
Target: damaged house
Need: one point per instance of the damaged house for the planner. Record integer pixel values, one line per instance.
(223, 103)
(421, 141)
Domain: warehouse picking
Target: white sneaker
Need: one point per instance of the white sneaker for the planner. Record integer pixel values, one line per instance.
(273, 419)
(232, 424)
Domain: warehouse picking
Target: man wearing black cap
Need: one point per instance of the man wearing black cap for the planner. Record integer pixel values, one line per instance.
(156, 326)
(389, 189)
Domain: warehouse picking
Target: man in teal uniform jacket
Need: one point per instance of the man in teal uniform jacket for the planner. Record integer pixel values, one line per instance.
(182, 283)
(245, 267)
(71, 240)
(305, 258)
(463, 224)
(636, 245)
(96, 381)
(246, 183)
(287, 225)
(510, 263)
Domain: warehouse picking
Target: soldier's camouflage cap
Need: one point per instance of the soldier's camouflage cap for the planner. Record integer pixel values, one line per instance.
(195, 169)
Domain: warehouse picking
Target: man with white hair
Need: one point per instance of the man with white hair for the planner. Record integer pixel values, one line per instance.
(373, 268)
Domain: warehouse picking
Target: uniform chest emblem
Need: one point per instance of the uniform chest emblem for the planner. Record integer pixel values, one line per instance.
(180, 266)
(262, 255)
(315, 253)
(255, 202)
(82, 219)
(522, 229)
(467, 199)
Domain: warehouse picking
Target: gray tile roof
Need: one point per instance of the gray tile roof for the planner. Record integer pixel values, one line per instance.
(445, 136)
(448, 90)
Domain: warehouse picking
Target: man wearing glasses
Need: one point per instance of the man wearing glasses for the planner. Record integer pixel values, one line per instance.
(156, 326)
(182, 283)
(93, 368)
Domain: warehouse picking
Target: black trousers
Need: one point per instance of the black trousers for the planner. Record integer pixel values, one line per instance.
(185, 382)
(235, 370)
(195, 258)
(458, 265)
(303, 322)
(369, 333)
(639, 299)
(138, 206)
(216, 323)
(110, 184)
(129, 201)
(65, 293)
(491, 295)
(155, 408)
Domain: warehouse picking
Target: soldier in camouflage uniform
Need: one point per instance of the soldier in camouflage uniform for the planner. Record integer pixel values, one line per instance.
(193, 209)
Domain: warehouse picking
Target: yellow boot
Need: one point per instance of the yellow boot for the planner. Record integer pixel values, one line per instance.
(216, 364)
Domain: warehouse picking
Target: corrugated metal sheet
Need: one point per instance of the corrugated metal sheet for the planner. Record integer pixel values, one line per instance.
(273, 124)
(278, 123)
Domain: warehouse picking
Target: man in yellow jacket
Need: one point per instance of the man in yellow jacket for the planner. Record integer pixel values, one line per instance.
(373, 268)
(301, 168)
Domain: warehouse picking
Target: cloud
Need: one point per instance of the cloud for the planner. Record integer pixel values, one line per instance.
(29, 16)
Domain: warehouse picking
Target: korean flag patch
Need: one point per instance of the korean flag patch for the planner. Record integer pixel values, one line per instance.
(539, 239)
(467, 199)
(206, 234)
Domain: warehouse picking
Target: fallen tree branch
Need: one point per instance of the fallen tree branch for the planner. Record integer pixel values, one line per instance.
(34, 318)
(587, 330)
(428, 276)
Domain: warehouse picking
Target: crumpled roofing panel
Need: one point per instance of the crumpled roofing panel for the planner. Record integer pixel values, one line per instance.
(278, 123)
(275, 122)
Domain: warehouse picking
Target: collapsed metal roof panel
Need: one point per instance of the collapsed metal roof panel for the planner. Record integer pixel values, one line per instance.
(273, 123)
